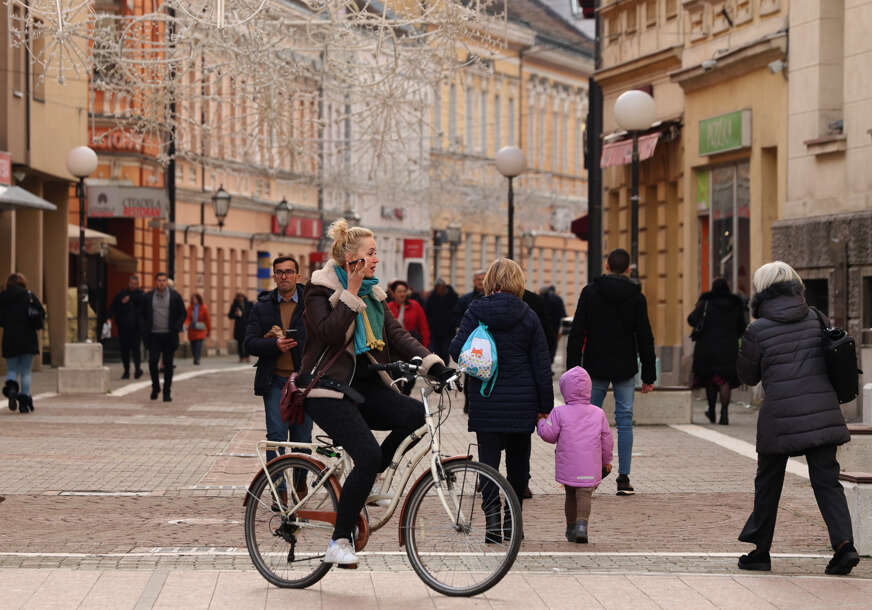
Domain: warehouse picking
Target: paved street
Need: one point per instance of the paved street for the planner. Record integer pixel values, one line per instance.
(119, 501)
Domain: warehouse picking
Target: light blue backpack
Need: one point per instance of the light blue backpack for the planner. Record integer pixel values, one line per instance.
(478, 358)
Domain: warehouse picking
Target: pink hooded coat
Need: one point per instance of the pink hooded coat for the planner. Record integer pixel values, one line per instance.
(581, 431)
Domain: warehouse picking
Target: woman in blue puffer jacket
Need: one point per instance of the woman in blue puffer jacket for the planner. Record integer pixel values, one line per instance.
(506, 418)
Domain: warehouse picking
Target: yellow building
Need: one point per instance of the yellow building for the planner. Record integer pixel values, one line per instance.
(533, 95)
(40, 121)
(711, 189)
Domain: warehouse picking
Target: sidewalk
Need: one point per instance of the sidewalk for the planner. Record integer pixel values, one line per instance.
(138, 503)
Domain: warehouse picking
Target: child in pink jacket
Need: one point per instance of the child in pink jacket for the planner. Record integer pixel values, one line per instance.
(583, 455)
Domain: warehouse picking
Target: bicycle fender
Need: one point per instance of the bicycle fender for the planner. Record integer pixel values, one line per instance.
(402, 532)
(317, 463)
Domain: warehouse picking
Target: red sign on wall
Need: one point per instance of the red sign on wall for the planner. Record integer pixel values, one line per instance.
(5, 168)
(300, 227)
(318, 257)
(413, 248)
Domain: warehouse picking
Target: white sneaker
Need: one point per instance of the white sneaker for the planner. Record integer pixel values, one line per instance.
(340, 552)
(376, 497)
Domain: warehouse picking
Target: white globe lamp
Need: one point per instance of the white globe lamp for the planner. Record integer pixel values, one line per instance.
(635, 110)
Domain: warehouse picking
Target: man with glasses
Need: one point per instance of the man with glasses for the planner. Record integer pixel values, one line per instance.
(275, 334)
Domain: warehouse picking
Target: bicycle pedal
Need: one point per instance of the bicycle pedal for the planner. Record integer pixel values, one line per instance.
(347, 566)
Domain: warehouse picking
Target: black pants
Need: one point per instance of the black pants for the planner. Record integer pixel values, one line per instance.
(350, 425)
(823, 471)
(161, 344)
(240, 347)
(517, 448)
(129, 340)
(439, 346)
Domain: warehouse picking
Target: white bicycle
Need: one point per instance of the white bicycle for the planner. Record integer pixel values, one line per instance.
(460, 522)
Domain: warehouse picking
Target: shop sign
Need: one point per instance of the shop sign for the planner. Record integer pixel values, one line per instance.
(5, 169)
(413, 248)
(299, 227)
(731, 131)
(115, 201)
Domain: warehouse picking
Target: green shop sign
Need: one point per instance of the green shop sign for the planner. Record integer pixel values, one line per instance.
(724, 133)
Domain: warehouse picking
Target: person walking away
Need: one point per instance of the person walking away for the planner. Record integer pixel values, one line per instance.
(440, 317)
(555, 310)
(21, 315)
(349, 327)
(537, 304)
(163, 317)
(126, 309)
(411, 316)
(240, 309)
(718, 321)
(276, 335)
(462, 305)
(583, 455)
(199, 325)
(504, 421)
(800, 414)
(610, 330)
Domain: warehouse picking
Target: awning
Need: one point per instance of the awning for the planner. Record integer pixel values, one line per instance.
(93, 240)
(621, 153)
(12, 197)
(121, 260)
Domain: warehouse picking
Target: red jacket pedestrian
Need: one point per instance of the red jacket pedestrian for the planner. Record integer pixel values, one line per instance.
(412, 317)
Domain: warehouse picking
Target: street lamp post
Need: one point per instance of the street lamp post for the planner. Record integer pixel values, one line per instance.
(81, 163)
(283, 218)
(511, 163)
(635, 111)
(221, 207)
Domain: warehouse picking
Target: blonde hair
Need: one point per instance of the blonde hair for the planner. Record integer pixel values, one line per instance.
(505, 275)
(773, 273)
(346, 240)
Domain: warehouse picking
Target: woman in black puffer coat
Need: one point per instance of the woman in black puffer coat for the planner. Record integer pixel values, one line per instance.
(523, 390)
(720, 316)
(800, 415)
(20, 343)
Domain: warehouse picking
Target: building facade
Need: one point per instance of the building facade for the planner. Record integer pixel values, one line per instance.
(532, 95)
(715, 180)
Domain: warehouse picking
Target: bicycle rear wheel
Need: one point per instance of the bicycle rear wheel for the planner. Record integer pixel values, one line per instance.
(287, 551)
(470, 553)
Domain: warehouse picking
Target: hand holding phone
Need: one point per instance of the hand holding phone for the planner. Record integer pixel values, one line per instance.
(290, 333)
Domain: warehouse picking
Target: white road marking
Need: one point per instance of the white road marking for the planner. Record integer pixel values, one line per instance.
(45, 395)
(139, 385)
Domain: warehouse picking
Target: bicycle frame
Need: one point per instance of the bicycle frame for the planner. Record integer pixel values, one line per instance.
(343, 464)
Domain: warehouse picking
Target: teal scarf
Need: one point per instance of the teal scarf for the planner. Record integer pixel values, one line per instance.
(368, 329)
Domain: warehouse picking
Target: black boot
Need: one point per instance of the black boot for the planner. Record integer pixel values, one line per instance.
(724, 421)
(25, 403)
(711, 414)
(10, 391)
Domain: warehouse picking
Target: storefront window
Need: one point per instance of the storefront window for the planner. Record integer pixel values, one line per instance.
(730, 226)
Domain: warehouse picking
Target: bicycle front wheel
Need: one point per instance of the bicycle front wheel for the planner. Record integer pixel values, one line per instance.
(470, 551)
(287, 549)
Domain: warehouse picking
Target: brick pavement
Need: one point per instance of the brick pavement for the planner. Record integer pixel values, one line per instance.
(182, 468)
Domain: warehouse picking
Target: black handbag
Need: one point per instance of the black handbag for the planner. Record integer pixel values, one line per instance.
(35, 313)
(697, 330)
(840, 353)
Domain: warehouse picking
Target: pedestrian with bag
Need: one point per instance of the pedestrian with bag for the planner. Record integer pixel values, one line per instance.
(21, 315)
(163, 318)
(718, 321)
(126, 308)
(583, 455)
(349, 327)
(504, 409)
(276, 334)
(785, 348)
(240, 309)
(462, 305)
(610, 330)
(199, 325)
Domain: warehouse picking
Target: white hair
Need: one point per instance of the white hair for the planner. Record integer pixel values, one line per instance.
(773, 273)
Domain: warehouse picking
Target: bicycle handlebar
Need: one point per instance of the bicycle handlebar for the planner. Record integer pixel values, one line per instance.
(411, 370)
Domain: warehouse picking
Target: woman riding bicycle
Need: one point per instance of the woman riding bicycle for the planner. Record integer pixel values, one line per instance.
(345, 310)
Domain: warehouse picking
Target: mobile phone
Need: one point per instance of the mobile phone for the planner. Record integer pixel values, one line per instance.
(353, 264)
(290, 333)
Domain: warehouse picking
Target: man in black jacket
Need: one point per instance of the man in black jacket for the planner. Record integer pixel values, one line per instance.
(279, 353)
(440, 317)
(126, 308)
(609, 330)
(163, 316)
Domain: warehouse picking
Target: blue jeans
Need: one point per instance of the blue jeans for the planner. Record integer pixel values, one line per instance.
(20, 365)
(276, 428)
(624, 392)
